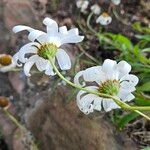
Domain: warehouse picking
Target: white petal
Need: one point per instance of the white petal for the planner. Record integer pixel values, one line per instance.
(41, 64)
(49, 70)
(34, 35)
(109, 67)
(104, 20)
(129, 97)
(19, 28)
(77, 78)
(128, 81)
(52, 26)
(109, 104)
(63, 59)
(49, 39)
(116, 2)
(96, 9)
(28, 48)
(94, 74)
(29, 64)
(74, 31)
(63, 30)
(16, 59)
(124, 68)
(88, 102)
(8, 68)
(125, 91)
(69, 38)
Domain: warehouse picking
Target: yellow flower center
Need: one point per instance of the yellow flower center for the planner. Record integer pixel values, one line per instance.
(5, 60)
(110, 87)
(104, 14)
(3, 102)
(47, 49)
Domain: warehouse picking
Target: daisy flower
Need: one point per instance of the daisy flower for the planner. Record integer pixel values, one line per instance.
(6, 63)
(104, 19)
(116, 2)
(96, 9)
(111, 79)
(83, 5)
(44, 45)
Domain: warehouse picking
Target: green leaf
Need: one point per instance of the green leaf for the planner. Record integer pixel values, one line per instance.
(137, 26)
(126, 119)
(142, 101)
(143, 37)
(145, 87)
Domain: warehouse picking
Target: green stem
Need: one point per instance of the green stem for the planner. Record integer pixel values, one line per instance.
(88, 23)
(120, 103)
(119, 18)
(13, 119)
(16, 122)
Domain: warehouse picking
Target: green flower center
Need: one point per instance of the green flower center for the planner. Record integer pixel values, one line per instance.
(48, 49)
(110, 87)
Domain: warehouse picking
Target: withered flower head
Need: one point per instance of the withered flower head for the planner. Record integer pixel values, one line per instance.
(4, 102)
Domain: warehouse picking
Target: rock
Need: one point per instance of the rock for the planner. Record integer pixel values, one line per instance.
(23, 13)
(59, 126)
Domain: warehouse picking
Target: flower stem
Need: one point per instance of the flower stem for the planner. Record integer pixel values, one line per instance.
(13, 119)
(22, 128)
(88, 23)
(117, 101)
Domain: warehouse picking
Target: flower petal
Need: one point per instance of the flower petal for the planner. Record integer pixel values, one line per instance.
(63, 30)
(124, 68)
(29, 64)
(45, 38)
(20, 28)
(129, 97)
(94, 74)
(35, 34)
(88, 102)
(76, 78)
(16, 59)
(69, 38)
(41, 64)
(109, 67)
(103, 20)
(49, 70)
(52, 26)
(63, 59)
(128, 81)
(28, 48)
(109, 104)
(73, 31)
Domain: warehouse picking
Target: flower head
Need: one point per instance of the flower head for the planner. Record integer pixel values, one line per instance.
(83, 5)
(4, 102)
(104, 19)
(112, 79)
(6, 63)
(96, 9)
(116, 2)
(44, 45)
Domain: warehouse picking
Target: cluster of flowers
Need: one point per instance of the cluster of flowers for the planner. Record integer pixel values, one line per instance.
(104, 18)
(110, 78)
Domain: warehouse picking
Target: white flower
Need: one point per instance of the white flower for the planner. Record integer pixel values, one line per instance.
(46, 44)
(111, 79)
(104, 19)
(96, 9)
(116, 2)
(83, 5)
(6, 63)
